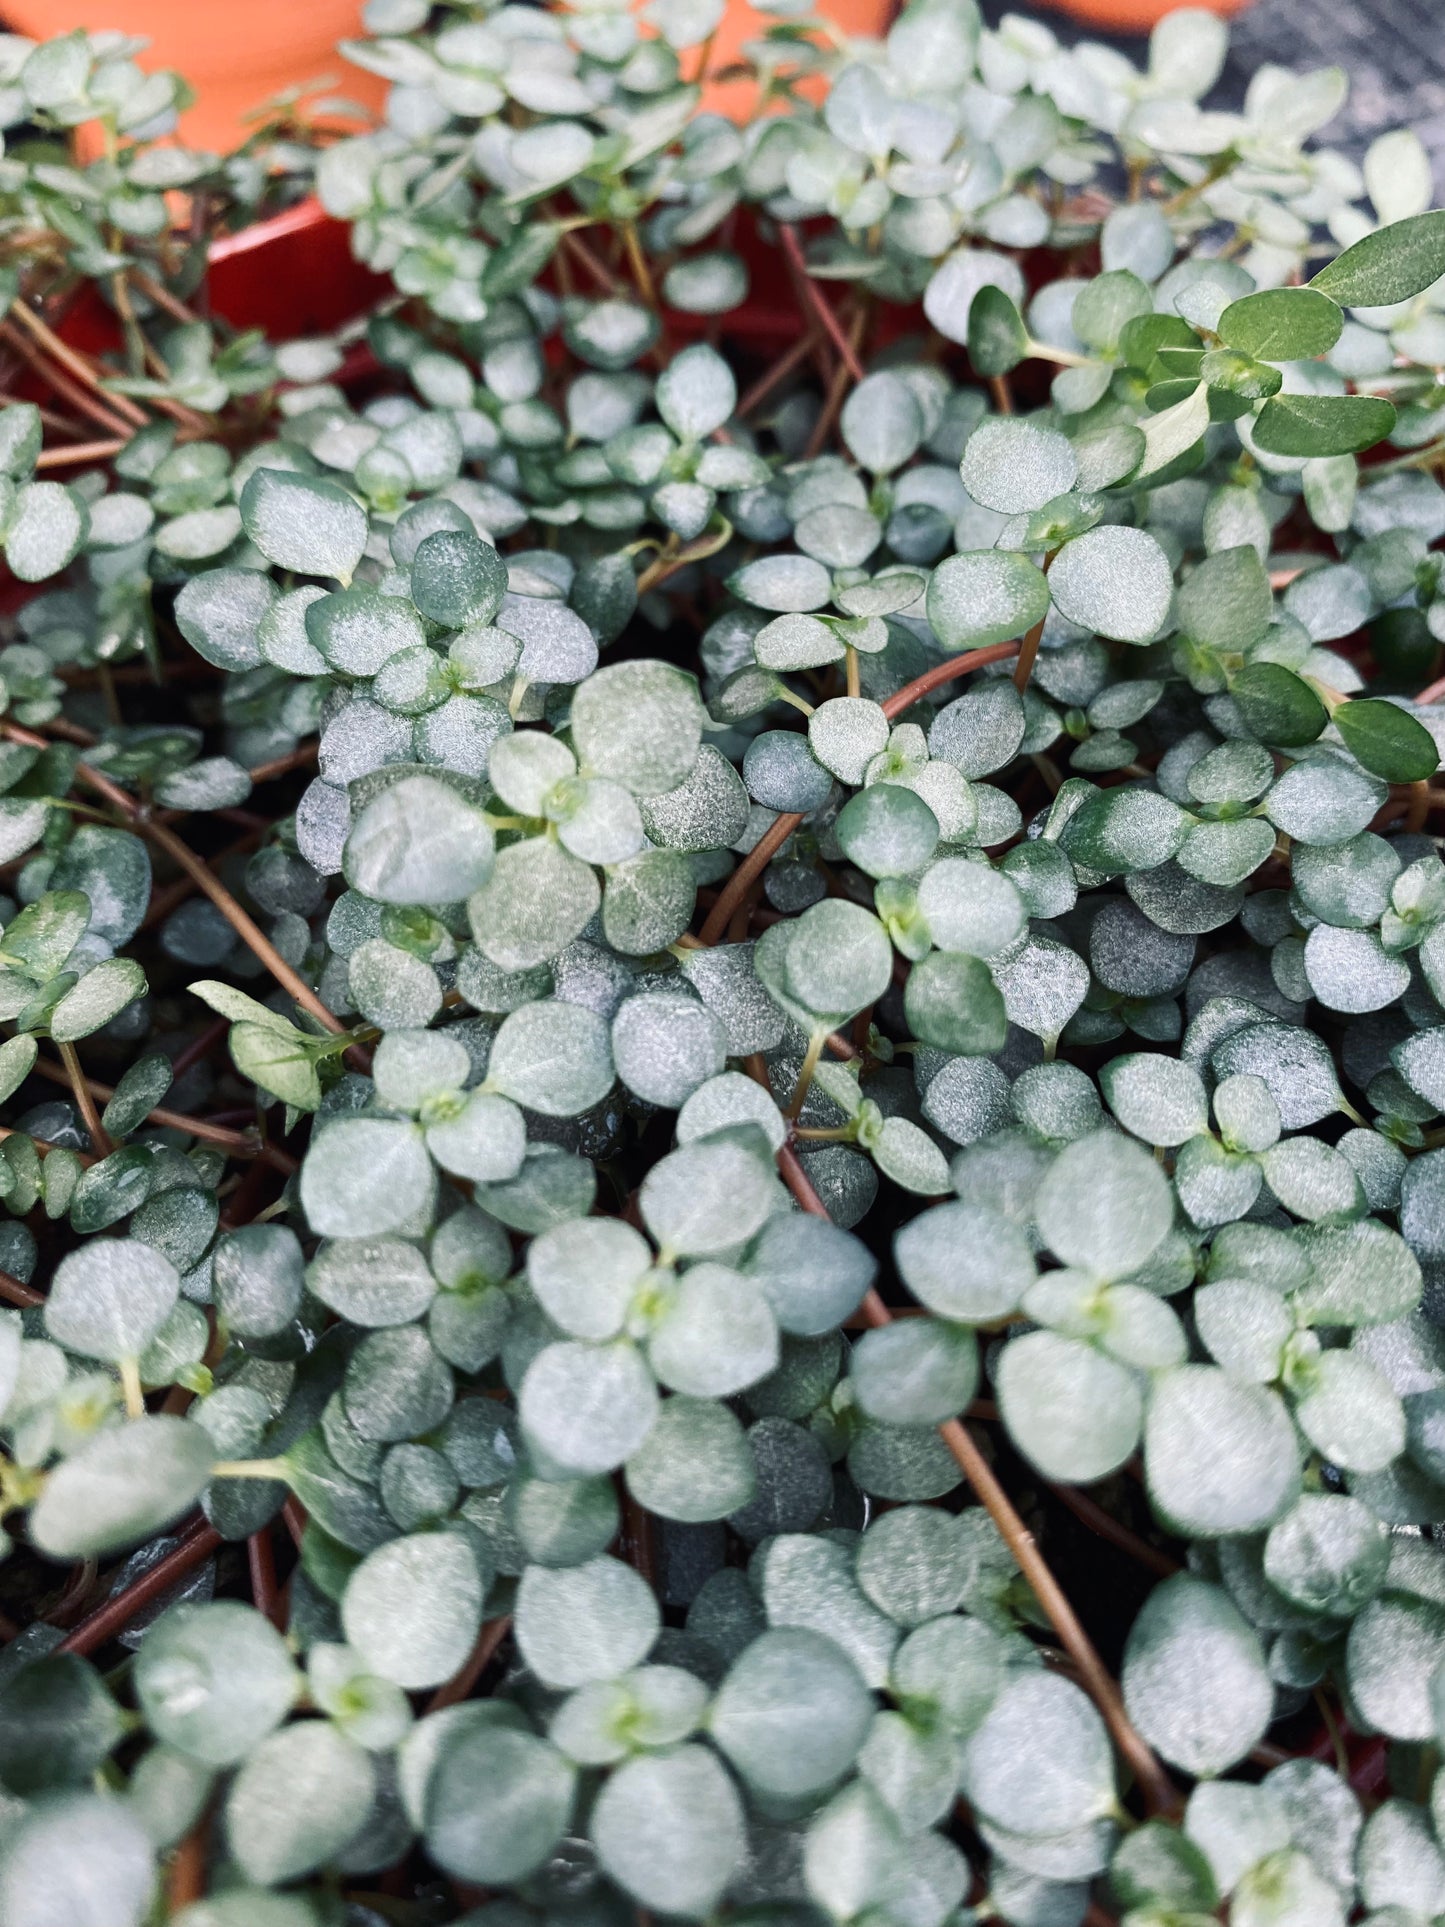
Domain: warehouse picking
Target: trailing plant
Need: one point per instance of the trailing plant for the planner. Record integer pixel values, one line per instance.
(845, 1047)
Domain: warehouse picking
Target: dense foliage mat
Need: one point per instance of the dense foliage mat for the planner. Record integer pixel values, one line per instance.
(723, 994)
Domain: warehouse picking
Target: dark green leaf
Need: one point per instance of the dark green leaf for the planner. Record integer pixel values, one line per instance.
(1393, 264)
(997, 338)
(1282, 324)
(1315, 425)
(1387, 740)
(1277, 705)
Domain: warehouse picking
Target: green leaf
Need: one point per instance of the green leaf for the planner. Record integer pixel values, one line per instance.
(791, 1714)
(419, 842)
(365, 1175)
(297, 1801)
(997, 338)
(587, 1408)
(214, 1679)
(58, 1724)
(1194, 1677)
(413, 1606)
(304, 523)
(1277, 705)
(1039, 1762)
(1395, 1646)
(638, 724)
(1221, 1457)
(1283, 324)
(102, 994)
(695, 1465)
(109, 1299)
(1115, 581)
(975, 600)
(668, 1828)
(1319, 425)
(587, 1622)
(45, 530)
(1014, 466)
(1225, 602)
(492, 1797)
(952, 1003)
(1071, 1411)
(123, 1486)
(1387, 740)
(1394, 263)
(279, 1062)
(77, 1856)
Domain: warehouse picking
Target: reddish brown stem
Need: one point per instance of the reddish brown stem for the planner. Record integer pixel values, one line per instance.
(822, 309)
(79, 397)
(75, 364)
(14, 1293)
(74, 1076)
(117, 1613)
(766, 382)
(843, 379)
(186, 1880)
(200, 874)
(909, 694)
(1160, 1793)
(1028, 655)
(239, 1143)
(753, 864)
(261, 1560)
(1099, 1521)
(459, 1686)
(79, 452)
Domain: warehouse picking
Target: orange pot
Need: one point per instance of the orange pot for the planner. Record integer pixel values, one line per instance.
(740, 23)
(1136, 16)
(234, 53)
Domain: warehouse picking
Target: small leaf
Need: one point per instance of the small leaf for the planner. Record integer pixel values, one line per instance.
(1282, 324)
(304, 523)
(1394, 263)
(1278, 706)
(1387, 740)
(1320, 425)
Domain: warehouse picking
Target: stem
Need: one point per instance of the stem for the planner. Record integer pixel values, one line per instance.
(25, 1296)
(186, 1881)
(603, 276)
(1003, 399)
(637, 261)
(956, 666)
(753, 864)
(459, 1686)
(239, 1143)
(1094, 1516)
(250, 1469)
(117, 1613)
(1028, 655)
(79, 452)
(779, 372)
(85, 1102)
(75, 364)
(805, 1075)
(843, 378)
(74, 392)
(261, 1560)
(135, 1404)
(855, 684)
(1159, 1790)
(162, 297)
(822, 310)
(202, 876)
